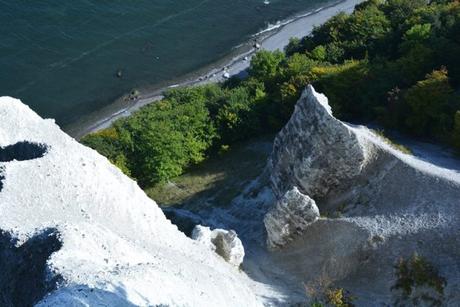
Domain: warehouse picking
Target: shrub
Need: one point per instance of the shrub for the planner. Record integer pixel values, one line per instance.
(265, 65)
(319, 53)
(237, 118)
(428, 101)
(337, 297)
(342, 84)
(417, 272)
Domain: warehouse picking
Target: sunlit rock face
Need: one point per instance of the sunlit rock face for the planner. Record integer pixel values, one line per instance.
(377, 205)
(291, 215)
(75, 231)
(316, 152)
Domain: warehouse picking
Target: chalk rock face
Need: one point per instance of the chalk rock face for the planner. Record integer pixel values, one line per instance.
(75, 231)
(316, 152)
(382, 204)
(290, 216)
(224, 242)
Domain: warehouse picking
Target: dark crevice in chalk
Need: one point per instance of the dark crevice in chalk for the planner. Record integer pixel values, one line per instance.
(20, 151)
(183, 219)
(2, 177)
(24, 278)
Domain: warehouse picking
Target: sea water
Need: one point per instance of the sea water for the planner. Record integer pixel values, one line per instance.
(68, 58)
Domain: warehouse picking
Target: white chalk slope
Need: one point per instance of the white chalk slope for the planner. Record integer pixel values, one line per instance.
(118, 247)
(383, 205)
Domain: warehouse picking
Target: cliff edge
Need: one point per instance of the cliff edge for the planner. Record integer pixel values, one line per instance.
(75, 231)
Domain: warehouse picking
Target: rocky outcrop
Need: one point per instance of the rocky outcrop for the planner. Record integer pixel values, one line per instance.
(316, 152)
(75, 231)
(291, 216)
(318, 155)
(381, 204)
(224, 242)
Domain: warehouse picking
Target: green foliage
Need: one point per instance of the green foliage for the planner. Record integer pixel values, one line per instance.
(237, 118)
(163, 138)
(294, 76)
(169, 135)
(334, 53)
(352, 36)
(428, 101)
(293, 46)
(414, 63)
(319, 53)
(418, 33)
(265, 65)
(398, 11)
(342, 85)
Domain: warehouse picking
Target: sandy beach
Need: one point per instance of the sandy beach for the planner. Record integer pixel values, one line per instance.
(275, 37)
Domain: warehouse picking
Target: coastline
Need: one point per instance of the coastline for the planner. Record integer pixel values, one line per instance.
(274, 37)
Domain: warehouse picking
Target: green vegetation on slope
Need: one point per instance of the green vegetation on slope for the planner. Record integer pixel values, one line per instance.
(393, 62)
(218, 180)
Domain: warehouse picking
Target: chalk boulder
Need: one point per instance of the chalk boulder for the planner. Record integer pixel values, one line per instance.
(292, 214)
(224, 242)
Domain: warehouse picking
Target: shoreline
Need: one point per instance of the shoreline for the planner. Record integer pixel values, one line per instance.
(273, 37)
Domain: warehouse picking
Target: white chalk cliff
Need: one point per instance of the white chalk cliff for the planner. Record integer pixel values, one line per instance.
(380, 205)
(335, 203)
(75, 231)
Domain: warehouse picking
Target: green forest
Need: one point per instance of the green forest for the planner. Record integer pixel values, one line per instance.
(395, 63)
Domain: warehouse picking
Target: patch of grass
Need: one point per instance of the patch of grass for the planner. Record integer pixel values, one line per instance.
(218, 180)
(392, 143)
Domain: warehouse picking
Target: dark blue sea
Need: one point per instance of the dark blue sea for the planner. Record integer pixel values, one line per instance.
(61, 57)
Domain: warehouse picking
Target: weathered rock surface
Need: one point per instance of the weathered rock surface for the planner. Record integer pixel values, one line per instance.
(75, 231)
(290, 216)
(316, 152)
(224, 242)
(382, 204)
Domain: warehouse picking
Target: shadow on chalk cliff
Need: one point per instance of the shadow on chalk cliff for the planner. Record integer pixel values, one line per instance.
(20, 151)
(23, 279)
(82, 295)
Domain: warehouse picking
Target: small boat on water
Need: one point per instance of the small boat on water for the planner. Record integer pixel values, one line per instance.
(266, 2)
